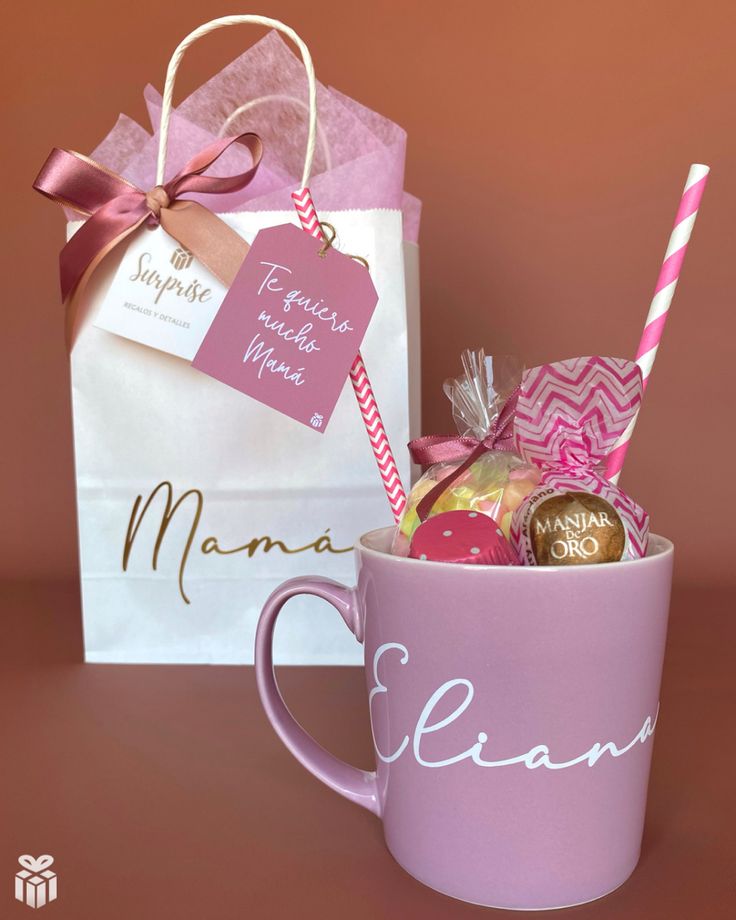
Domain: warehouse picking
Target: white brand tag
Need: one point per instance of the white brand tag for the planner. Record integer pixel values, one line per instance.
(161, 296)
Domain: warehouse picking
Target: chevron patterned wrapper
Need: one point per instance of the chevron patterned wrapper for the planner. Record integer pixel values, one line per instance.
(569, 418)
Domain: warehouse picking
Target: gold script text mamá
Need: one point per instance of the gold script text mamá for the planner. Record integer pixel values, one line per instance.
(192, 291)
(193, 499)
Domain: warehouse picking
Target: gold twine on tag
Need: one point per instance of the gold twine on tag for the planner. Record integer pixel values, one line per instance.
(330, 234)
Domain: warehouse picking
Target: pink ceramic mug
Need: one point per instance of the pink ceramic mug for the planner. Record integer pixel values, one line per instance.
(512, 710)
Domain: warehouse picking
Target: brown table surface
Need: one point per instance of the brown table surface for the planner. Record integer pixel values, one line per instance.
(163, 793)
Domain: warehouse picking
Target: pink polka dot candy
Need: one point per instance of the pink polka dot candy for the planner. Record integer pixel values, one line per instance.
(462, 537)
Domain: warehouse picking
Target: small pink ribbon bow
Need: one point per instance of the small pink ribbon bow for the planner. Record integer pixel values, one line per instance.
(447, 448)
(115, 208)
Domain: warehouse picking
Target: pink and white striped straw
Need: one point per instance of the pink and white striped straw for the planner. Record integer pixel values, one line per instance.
(361, 384)
(663, 293)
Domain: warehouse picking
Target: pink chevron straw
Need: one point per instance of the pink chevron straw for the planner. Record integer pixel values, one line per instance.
(663, 293)
(361, 384)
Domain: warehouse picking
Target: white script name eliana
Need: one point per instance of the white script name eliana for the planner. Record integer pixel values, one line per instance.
(537, 756)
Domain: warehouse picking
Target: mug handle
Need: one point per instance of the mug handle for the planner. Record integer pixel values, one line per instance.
(357, 785)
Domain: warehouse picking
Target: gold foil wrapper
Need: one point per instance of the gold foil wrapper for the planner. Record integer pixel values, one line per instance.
(576, 528)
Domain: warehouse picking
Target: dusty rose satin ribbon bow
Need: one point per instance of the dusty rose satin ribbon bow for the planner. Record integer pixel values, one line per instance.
(115, 208)
(447, 448)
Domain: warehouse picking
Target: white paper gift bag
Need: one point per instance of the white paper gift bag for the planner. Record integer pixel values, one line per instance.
(195, 501)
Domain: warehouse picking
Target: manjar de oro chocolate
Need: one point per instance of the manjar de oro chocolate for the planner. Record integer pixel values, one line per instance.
(574, 528)
(569, 416)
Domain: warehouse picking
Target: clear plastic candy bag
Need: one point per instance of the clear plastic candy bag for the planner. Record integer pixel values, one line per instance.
(482, 472)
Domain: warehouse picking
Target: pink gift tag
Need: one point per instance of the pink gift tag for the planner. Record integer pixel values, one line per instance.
(291, 325)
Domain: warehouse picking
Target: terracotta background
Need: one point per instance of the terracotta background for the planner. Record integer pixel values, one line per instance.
(549, 143)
